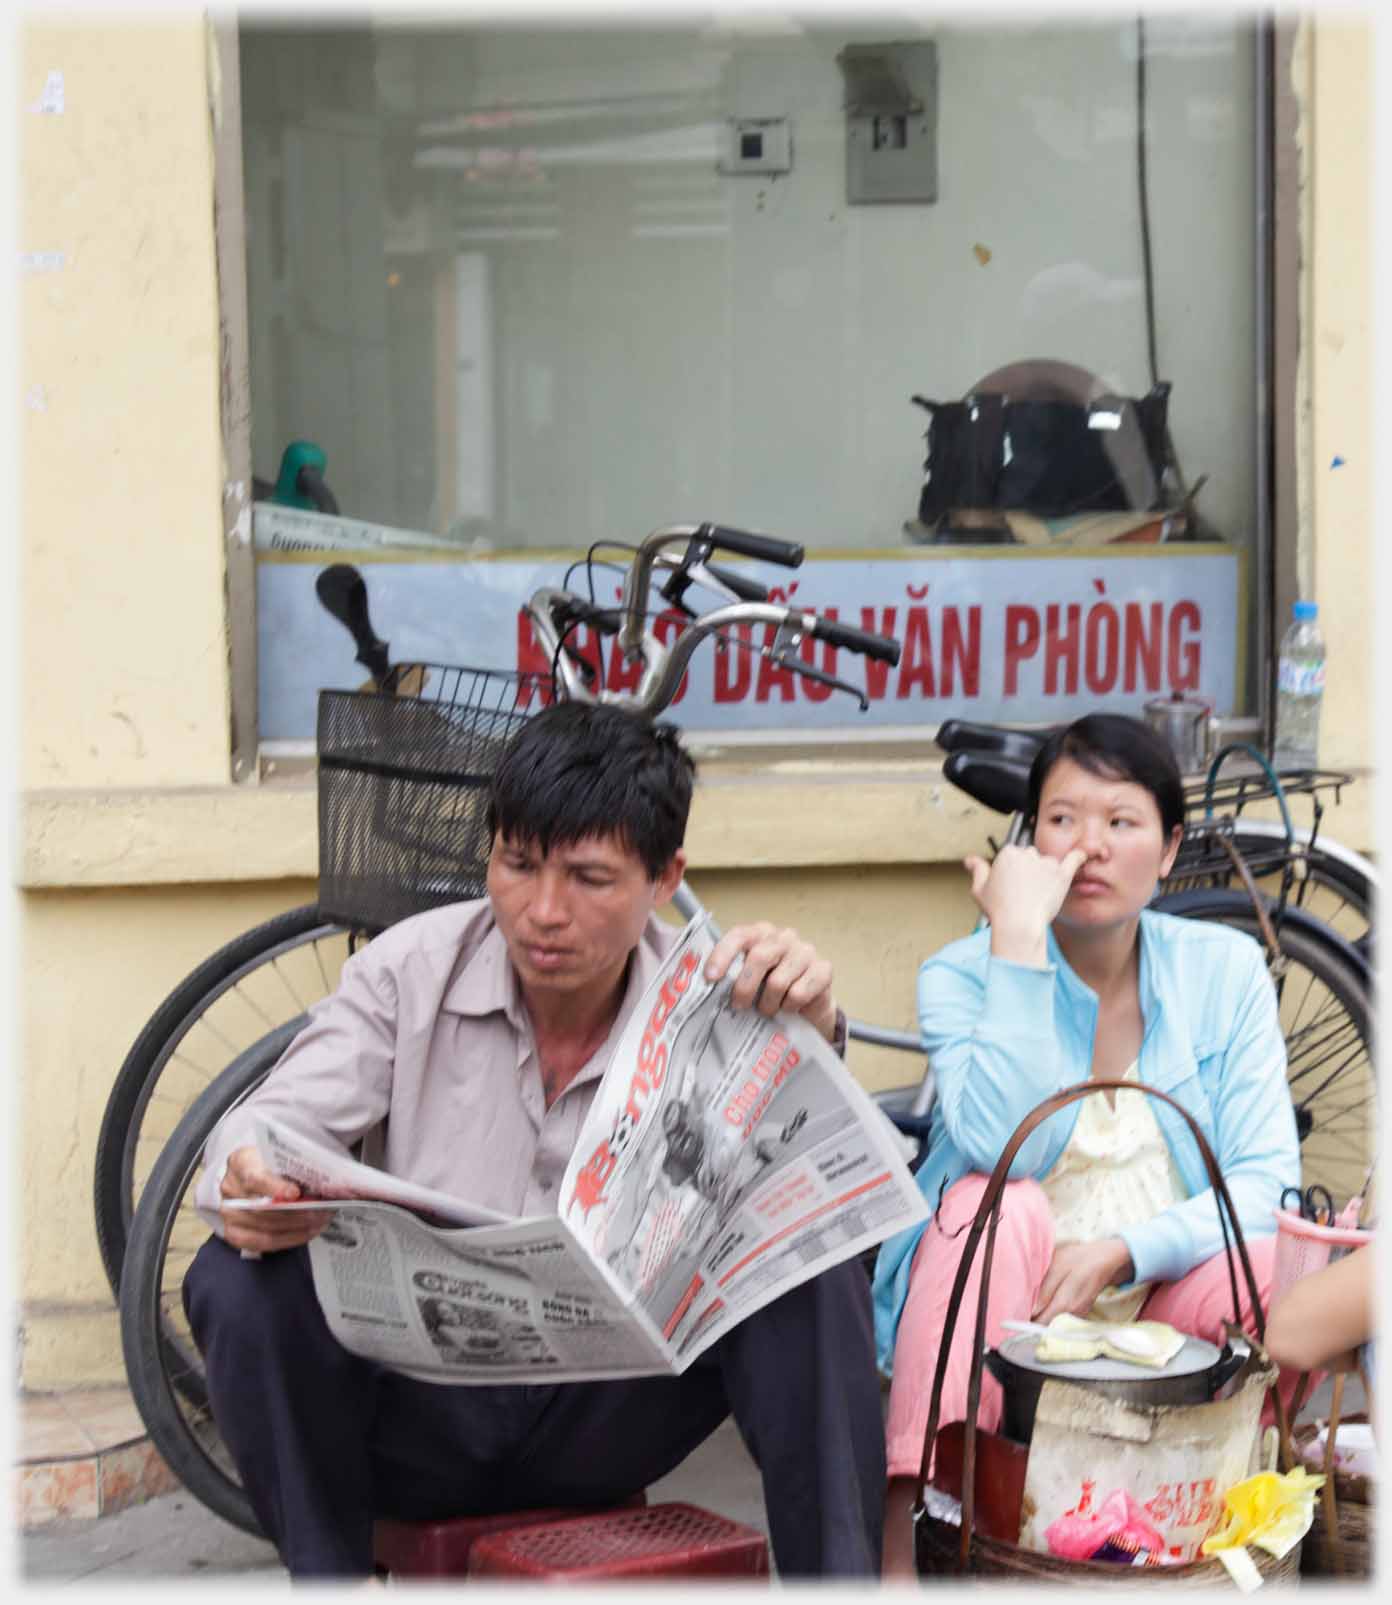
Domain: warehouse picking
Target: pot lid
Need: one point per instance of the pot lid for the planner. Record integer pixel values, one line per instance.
(1196, 1355)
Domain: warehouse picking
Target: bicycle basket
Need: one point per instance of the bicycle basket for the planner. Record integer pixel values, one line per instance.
(403, 790)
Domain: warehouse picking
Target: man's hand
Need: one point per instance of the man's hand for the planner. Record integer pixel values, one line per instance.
(264, 1231)
(1077, 1274)
(780, 971)
(1020, 891)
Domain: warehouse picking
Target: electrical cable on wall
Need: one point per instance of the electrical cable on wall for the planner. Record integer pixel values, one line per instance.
(1147, 266)
(1149, 272)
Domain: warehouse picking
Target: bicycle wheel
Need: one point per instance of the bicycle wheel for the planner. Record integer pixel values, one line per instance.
(269, 974)
(163, 1365)
(1327, 1021)
(1340, 891)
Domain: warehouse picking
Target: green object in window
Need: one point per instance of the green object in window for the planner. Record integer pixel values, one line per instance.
(301, 479)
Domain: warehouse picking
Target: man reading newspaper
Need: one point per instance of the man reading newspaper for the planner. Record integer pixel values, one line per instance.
(478, 1033)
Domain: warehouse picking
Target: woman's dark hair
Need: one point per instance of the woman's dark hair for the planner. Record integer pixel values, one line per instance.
(581, 769)
(1117, 748)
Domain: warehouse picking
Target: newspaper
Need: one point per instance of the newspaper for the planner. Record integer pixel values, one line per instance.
(726, 1158)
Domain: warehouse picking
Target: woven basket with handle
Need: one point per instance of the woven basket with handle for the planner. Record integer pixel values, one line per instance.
(943, 1548)
(1341, 1539)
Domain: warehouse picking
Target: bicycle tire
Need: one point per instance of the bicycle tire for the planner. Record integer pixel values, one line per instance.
(163, 1365)
(1327, 1021)
(248, 968)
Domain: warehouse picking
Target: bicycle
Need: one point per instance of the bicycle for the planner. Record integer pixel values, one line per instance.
(402, 790)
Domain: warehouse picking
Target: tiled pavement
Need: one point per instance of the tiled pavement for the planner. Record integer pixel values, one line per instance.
(81, 1455)
(157, 1533)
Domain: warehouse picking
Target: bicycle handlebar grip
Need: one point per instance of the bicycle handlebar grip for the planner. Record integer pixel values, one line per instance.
(746, 589)
(604, 619)
(567, 610)
(883, 647)
(788, 554)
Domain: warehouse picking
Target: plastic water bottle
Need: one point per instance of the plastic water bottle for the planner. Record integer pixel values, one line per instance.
(1299, 691)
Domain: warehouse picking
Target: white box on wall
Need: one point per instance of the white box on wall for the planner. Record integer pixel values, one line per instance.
(757, 145)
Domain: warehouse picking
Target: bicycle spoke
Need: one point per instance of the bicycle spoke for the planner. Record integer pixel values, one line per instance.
(180, 1057)
(225, 1042)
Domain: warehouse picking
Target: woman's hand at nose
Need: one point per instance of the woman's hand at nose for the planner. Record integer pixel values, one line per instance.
(1020, 891)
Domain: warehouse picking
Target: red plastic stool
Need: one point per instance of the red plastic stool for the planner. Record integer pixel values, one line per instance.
(442, 1548)
(662, 1541)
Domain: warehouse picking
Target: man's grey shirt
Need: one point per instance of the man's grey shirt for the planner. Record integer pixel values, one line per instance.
(427, 1033)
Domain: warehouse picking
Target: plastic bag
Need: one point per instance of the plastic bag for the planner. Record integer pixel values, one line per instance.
(1271, 1510)
(1118, 1530)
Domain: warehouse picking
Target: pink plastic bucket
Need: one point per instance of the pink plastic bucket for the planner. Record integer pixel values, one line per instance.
(1302, 1246)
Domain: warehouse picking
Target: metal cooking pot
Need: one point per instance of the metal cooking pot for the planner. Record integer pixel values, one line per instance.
(1194, 1376)
(1187, 725)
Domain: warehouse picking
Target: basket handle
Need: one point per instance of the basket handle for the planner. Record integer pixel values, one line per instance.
(989, 1211)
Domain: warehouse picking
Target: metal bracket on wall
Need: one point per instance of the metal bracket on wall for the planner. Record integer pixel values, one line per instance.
(891, 122)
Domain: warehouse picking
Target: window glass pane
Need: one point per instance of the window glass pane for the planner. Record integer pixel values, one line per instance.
(527, 289)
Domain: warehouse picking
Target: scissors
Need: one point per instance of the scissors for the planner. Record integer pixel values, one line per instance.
(1314, 1204)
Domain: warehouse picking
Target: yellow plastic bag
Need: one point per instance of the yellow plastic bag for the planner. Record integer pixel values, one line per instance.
(1272, 1510)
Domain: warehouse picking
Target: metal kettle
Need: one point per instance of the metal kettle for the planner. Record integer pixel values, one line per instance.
(1186, 724)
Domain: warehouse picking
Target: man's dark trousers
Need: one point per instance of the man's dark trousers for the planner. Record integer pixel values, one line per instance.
(326, 1441)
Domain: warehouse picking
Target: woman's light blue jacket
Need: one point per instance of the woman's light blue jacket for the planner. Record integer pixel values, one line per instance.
(1002, 1037)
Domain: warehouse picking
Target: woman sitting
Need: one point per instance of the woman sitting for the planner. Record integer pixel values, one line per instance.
(1108, 1212)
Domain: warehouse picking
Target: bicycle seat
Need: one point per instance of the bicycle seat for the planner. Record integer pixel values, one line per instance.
(990, 778)
(962, 735)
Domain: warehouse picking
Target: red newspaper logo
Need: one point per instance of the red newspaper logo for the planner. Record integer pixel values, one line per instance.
(593, 1178)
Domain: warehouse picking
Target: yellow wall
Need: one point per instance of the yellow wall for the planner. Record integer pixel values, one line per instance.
(124, 667)
(1338, 350)
(136, 855)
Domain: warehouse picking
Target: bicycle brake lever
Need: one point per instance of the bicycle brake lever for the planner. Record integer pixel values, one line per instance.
(811, 672)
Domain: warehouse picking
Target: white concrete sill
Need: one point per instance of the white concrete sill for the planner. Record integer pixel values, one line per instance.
(791, 813)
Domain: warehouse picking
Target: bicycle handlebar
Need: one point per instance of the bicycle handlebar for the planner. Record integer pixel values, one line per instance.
(555, 613)
(881, 647)
(788, 554)
(746, 589)
(700, 540)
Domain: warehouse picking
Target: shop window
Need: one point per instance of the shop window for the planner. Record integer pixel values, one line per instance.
(525, 290)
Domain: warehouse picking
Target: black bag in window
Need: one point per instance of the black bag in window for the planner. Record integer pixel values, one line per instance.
(964, 454)
(1050, 457)
(1055, 462)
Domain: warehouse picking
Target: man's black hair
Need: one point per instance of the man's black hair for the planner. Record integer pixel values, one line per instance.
(577, 770)
(1114, 747)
